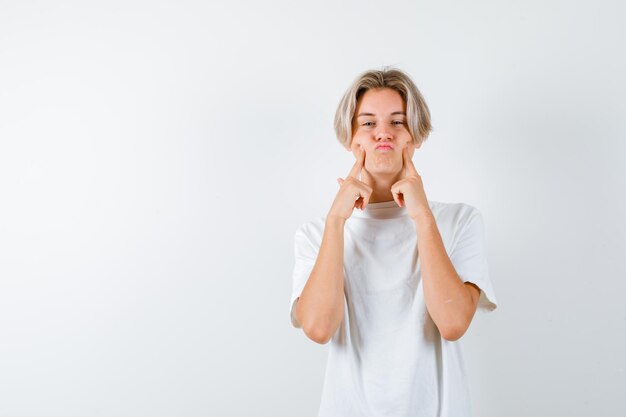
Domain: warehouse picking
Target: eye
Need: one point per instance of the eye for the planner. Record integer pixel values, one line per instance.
(398, 122)
(367, 123)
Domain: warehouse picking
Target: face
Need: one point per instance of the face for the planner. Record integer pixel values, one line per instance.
(380, 127)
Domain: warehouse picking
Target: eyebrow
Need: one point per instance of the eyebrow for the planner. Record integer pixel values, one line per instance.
(372, 114)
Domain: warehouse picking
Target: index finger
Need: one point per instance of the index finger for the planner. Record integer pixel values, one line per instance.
(408, 162)
(358, 165)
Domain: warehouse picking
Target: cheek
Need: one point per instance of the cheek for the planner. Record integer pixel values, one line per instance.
(356, 142)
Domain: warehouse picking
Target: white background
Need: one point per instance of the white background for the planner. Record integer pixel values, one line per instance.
(156, 158)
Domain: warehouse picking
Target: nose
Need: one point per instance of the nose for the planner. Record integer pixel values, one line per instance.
(382, 133)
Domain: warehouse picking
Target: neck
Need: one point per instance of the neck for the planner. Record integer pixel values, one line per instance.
(381, 184)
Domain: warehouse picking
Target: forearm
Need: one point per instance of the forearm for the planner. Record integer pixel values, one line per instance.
(321, 304)
(448, 300)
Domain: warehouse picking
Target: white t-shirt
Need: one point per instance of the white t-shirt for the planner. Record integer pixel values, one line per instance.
(387, 357)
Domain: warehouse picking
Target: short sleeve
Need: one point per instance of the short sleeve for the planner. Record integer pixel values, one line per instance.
(470, 261)
(305, 253)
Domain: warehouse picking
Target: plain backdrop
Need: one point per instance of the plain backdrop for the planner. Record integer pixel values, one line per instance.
(156, 158)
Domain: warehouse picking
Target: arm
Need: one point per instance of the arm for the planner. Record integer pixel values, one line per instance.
(450, 302)
(319, 308)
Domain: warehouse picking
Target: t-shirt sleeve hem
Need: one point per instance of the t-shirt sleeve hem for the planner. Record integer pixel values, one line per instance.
(487, 301)
(305, 253)
(292, 313)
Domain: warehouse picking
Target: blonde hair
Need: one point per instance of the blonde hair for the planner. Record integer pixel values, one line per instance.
(418, 115)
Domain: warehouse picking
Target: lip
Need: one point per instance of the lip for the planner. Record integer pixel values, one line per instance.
(385, 146)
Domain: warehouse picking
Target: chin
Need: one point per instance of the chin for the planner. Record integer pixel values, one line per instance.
(385, 170)
(385, 165)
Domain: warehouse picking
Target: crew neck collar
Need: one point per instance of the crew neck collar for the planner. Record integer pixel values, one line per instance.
(381, 210)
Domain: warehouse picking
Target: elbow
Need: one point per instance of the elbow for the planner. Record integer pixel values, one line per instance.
(317, 335)
(453, 333)
(451, 336)
(321, 332)
(313, 331)
(320, 329)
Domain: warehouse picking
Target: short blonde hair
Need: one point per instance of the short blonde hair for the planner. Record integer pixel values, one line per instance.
(418, 115)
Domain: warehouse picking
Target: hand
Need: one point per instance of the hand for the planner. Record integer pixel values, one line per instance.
(409, 190)
(346, 199)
